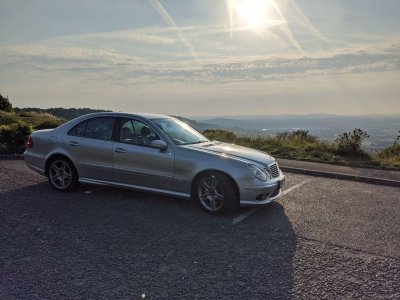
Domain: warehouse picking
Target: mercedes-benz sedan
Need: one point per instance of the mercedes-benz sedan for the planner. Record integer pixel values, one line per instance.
(154, 153)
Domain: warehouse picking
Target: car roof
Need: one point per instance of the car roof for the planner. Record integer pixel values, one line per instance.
(130, 114)
(73, 122)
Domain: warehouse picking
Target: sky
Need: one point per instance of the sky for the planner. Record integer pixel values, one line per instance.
(203, 57)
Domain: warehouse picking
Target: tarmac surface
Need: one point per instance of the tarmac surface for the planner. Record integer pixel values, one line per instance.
(325, 238)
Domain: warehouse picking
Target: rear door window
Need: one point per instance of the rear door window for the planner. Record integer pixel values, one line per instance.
(96, 128)
(100, 128)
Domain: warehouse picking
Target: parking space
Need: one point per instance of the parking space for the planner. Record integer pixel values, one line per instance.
(323, 238)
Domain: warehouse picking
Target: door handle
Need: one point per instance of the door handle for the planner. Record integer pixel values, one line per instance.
(73, 143)
(120, 150)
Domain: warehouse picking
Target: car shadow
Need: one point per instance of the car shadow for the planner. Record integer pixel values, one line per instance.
(114, 243)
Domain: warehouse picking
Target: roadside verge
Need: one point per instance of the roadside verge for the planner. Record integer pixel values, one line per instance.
(375, 176)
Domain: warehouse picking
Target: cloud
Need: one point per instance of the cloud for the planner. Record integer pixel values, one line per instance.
(148, 37)
(105, 65)
(68, 57)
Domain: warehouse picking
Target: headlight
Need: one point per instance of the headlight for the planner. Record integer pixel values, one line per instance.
(259, 173)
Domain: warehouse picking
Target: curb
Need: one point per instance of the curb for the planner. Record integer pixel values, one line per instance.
(373, 180)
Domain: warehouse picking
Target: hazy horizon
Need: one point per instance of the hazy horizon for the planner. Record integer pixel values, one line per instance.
(203, 58)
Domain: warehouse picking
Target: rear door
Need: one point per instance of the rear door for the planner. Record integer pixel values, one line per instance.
(136, 162)
(91, 146)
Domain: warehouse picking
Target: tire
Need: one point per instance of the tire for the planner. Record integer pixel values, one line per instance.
(62, 174)
(215, 192)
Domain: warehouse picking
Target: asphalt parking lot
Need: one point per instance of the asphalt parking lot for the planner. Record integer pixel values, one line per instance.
(324, 238)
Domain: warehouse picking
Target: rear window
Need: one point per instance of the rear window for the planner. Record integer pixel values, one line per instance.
(78, 130)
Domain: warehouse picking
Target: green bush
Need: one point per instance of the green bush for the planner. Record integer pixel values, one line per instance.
(26, 114)
(13, 137)
(36, 119)
(297, 135)
(7, 118)
(349, 143)
(48, 124)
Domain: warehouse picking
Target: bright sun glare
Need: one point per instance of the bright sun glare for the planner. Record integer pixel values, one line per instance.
(255, 13)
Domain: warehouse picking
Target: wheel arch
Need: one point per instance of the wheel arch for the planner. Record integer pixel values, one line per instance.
(53, 156)
(192, 187)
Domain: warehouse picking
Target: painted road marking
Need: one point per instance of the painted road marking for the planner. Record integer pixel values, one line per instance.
(246, 214)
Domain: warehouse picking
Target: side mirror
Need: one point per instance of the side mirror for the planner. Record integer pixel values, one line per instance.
(159, 144)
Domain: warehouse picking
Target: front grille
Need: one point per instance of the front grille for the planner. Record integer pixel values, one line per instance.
(274, 170)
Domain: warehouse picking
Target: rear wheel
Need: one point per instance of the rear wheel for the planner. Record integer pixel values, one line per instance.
(62, 174)
(216, 192)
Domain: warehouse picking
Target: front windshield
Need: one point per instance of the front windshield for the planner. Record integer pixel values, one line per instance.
(179, 132)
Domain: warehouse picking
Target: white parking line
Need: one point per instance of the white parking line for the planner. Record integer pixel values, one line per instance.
(246, 214)
(295, 186)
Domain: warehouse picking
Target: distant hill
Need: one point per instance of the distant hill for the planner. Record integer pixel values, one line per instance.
(200, 126)
(63, 113)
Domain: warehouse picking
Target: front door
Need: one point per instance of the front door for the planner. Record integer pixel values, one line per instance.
(136, 162)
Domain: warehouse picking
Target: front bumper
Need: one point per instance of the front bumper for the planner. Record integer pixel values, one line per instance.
(261, 194)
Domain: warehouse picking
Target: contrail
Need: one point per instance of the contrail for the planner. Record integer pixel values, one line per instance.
(285, 28)
(307, 23)
(170, 22)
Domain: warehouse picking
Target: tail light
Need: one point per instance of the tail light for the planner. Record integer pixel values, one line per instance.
(29, 142)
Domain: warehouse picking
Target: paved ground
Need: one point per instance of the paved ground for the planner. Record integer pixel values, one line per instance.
(324, 239)
(355, 171)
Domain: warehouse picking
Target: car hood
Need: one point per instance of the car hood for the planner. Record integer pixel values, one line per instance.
(234, 151)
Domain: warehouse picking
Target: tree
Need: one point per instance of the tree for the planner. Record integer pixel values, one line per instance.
(5, 104)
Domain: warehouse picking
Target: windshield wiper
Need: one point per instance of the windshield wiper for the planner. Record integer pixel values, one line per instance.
(197, 142)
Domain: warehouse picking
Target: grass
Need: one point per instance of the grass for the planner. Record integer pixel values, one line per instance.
(389, 156)
(301, 146)
(40, 120)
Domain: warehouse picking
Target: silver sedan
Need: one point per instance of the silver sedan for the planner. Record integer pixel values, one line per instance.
(154, 153)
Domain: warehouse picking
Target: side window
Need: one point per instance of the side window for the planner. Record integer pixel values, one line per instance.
(136, 133)
(78, 130)
(100, 128)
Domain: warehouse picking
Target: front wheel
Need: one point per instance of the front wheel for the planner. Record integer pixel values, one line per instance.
(62, 174)
(216, 192)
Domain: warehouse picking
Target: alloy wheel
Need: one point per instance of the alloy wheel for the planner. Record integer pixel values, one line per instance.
(60, 174)
(211, 194)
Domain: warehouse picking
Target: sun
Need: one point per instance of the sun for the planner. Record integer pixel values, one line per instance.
(254, 13)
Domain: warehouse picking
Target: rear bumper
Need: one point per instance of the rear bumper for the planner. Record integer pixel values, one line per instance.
(263, 193)
(35, 162)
